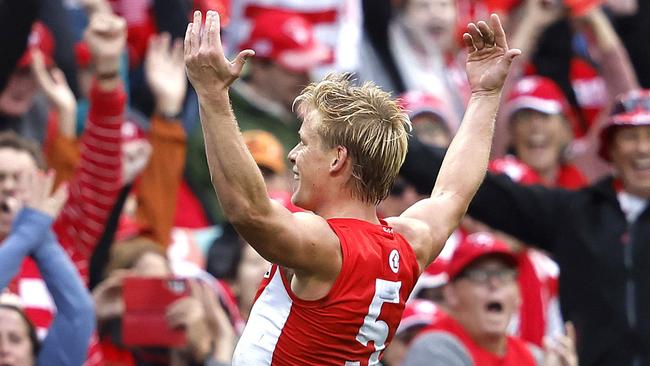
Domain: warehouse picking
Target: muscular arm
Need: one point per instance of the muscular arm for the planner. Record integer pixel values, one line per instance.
(465, 164)
(291, 240)
(299, 241)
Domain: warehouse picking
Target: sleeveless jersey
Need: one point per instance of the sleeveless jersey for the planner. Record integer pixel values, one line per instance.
(353, 323)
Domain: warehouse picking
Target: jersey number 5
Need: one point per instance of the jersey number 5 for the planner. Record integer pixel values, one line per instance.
(372, 328)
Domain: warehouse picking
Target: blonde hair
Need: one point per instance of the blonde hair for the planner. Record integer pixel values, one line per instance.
(368, 123)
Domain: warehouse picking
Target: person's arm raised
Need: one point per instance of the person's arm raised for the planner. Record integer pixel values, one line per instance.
(300, 241)
(465, 163)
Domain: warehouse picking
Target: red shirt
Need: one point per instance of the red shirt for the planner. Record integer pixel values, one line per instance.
(517, 351)
(353, 323)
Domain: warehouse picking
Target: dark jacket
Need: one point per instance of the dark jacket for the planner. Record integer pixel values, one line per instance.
(604, 261)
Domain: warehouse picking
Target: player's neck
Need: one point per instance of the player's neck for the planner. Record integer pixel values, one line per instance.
(349, 209)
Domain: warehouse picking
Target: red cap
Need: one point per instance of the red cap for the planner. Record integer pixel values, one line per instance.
(537, 93)
(475, 246)
(288, 39)
(630, 109)
(435, 275)
(579, 8)
(417, 312)
(40, 38)
(415, 103)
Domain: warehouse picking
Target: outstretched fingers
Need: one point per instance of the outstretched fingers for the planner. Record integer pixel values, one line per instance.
(487, 33)
(195, 33)
(187, 45)
(239, 61)
(477, 37)
(469, 42)
(499, 33)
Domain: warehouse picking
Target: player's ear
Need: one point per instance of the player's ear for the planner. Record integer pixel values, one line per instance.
(339, 159)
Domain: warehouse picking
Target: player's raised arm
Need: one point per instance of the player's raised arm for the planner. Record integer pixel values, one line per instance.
(465, 163)
(279, 236)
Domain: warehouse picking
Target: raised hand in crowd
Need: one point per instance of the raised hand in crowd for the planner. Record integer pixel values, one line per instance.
(165, 71)
(135, 157)
(39, 196)
(106, 38)
(189, 313)
(536, 17)
(561, 349)
(221, 329)
(108, 296)
(28, 231)
(58, 91)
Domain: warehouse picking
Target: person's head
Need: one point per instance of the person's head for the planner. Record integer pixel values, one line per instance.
(286, 51)
(538, 116)
(269, 156)
(19, 344)
(434, 20)
(625, 141)
(18, 95)
(482, 293)
(429, 116)
(353, 141)
(17, 157)
(142, 256)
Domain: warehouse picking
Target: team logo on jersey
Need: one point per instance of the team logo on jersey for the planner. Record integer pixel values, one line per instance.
(393, 260)
(268, 273)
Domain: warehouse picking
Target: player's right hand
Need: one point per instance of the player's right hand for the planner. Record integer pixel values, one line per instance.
(207, 67)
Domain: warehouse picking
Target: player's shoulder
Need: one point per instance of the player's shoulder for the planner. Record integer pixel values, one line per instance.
(415, 231)
(314, 227)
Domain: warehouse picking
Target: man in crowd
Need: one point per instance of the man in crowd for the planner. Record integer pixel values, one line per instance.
(315, 307)
(599, 236)
(481, 297)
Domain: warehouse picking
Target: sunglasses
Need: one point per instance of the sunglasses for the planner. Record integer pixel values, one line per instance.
(484, 276)
(631, 104)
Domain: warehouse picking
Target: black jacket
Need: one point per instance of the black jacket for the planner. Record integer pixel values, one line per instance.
(604, 262)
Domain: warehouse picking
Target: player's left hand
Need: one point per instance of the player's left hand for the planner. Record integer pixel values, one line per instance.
(207, 67)
(489, 57)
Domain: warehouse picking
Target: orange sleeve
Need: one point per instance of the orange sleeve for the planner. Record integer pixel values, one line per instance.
(158, 185)
(62, 154)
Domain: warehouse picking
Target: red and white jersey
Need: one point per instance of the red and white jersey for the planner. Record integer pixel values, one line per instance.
(353, 323)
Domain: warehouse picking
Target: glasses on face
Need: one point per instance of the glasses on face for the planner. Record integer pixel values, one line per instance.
(631, 104)
(483, 276)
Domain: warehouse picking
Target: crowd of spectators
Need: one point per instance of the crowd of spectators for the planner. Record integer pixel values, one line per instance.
(105, 190)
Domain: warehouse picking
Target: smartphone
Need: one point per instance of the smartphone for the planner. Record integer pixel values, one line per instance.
(145, 304)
